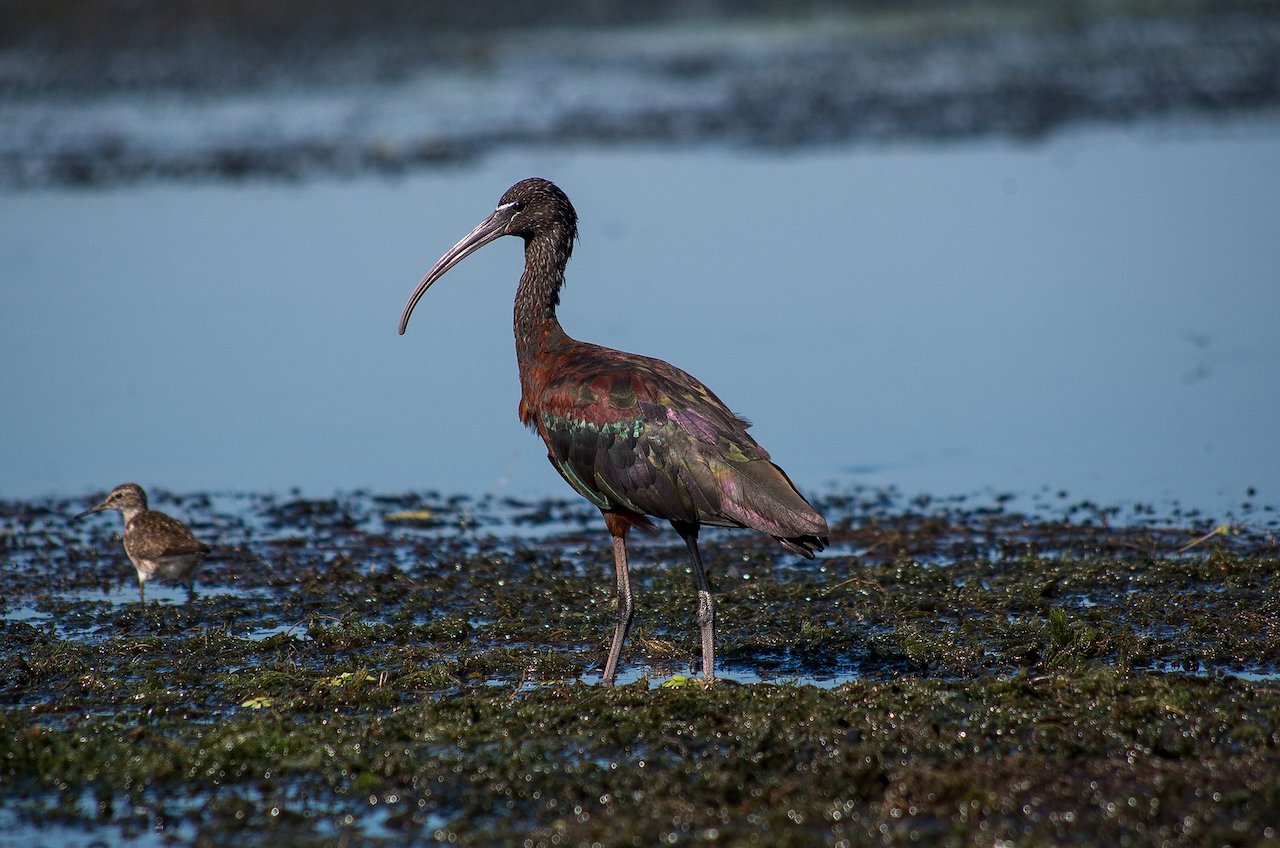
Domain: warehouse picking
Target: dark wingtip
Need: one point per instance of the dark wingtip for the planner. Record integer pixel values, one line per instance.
(805, 546)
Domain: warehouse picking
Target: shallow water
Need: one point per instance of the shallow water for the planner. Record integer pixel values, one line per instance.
(345, 676)
(1093, 314)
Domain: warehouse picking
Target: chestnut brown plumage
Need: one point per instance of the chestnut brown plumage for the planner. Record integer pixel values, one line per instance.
(635, 436)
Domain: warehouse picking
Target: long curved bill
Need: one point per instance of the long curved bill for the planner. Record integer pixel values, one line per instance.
(486, 231)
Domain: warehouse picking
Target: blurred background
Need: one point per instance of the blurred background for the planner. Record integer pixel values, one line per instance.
(948, 247)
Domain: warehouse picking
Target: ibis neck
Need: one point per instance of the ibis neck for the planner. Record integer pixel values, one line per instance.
(536, 325)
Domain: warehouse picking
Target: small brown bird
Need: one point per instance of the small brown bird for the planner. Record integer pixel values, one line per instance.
(156, 543)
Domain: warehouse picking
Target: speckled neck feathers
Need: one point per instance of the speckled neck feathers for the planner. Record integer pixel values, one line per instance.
(547, 248)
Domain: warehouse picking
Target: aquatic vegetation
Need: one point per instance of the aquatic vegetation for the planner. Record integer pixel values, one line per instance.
(951, 674)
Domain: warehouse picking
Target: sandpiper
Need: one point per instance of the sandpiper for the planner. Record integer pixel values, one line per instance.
(156, 543)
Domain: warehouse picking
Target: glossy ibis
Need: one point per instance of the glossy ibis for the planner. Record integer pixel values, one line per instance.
(157, 544)
(635, 436)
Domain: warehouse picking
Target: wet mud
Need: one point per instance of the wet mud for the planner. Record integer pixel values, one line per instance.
(106, 92)
(392, 670)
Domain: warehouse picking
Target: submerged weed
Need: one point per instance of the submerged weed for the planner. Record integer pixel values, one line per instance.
(981, 678)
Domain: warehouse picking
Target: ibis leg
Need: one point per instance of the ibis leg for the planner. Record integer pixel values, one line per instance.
(625, 609)
(706, 603)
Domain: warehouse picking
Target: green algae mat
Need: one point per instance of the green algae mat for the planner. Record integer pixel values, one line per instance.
(414, 669)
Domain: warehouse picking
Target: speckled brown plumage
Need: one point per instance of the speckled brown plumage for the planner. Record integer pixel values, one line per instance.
(156, 544)
(634, 435)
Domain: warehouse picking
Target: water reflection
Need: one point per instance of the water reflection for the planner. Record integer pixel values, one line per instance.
(1093, 314)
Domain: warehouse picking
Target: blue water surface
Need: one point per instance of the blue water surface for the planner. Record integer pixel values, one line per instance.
(1094, 313)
